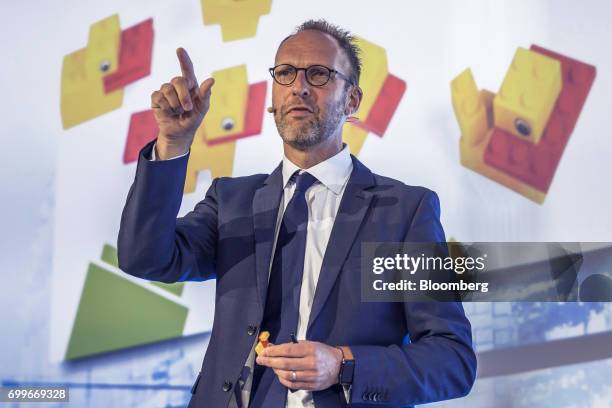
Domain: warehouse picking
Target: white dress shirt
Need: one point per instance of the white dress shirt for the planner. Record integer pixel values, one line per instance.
(323, 200)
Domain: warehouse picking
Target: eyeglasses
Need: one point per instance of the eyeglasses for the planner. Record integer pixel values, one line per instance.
(316, 75)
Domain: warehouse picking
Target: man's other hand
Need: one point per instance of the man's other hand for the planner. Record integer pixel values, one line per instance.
(316, 365)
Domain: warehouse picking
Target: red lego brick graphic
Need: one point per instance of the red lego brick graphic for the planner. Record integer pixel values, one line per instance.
(135, 53)
(253, 117)
(385, 106)
(143, 129)
(535, 164)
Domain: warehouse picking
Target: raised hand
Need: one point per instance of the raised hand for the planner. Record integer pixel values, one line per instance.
(179, 107)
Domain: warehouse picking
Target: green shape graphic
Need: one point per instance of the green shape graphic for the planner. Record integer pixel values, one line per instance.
(175, 288)
(115, 313)
(109, 255)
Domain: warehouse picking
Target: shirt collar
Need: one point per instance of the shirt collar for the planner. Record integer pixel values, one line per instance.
(332, 173)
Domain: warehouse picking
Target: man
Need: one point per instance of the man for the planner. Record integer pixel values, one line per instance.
(285, 249)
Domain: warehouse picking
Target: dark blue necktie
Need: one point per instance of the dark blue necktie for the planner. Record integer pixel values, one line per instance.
(282, 302)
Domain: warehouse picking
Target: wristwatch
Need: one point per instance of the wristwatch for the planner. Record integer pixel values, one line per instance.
(347, 367)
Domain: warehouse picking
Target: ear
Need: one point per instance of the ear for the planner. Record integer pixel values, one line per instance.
(353, 101)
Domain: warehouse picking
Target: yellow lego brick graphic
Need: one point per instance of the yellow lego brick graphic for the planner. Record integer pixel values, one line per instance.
(374, 72)
(238, 18)
(103, 45)
(236, 111)
(470, 108)
(528, 94)
(228, 104)
(219, 159)
(354, 137)
(474, 112)
(472, 145)
(82, 88)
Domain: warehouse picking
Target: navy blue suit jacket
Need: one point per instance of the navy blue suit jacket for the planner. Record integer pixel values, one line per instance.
(229, 236)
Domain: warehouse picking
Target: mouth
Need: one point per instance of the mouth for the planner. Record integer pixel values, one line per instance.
(299, 110)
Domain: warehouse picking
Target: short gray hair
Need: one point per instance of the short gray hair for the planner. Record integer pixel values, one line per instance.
(344, 38)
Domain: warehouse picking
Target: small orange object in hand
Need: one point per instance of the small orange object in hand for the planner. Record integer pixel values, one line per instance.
(263, 342)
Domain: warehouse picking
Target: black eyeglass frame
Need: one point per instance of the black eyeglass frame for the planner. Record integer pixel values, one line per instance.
(332, 72)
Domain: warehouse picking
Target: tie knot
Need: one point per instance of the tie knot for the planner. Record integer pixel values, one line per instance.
(303, 181)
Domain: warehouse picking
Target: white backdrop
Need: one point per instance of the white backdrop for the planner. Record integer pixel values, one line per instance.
(77, 176)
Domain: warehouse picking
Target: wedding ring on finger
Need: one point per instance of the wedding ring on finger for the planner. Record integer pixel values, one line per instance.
(293, 376)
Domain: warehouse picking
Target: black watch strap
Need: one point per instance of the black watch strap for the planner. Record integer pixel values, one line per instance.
(347, 367)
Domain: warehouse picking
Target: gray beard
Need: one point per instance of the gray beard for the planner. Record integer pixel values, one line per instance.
(311, 132)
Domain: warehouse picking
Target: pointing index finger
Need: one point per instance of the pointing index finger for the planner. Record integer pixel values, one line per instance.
(187, 67)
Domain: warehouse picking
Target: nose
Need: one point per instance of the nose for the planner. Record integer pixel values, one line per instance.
(300, 87)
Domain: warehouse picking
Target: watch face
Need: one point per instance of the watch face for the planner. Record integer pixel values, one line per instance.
(346, 372)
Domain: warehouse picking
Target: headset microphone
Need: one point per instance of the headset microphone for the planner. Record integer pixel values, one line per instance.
(271, 109)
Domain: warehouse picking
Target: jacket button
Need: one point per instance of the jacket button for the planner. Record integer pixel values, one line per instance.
(227, 386)
(251, 330)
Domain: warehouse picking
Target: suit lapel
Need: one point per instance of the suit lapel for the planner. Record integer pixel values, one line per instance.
(265, 212)
(354, 205)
